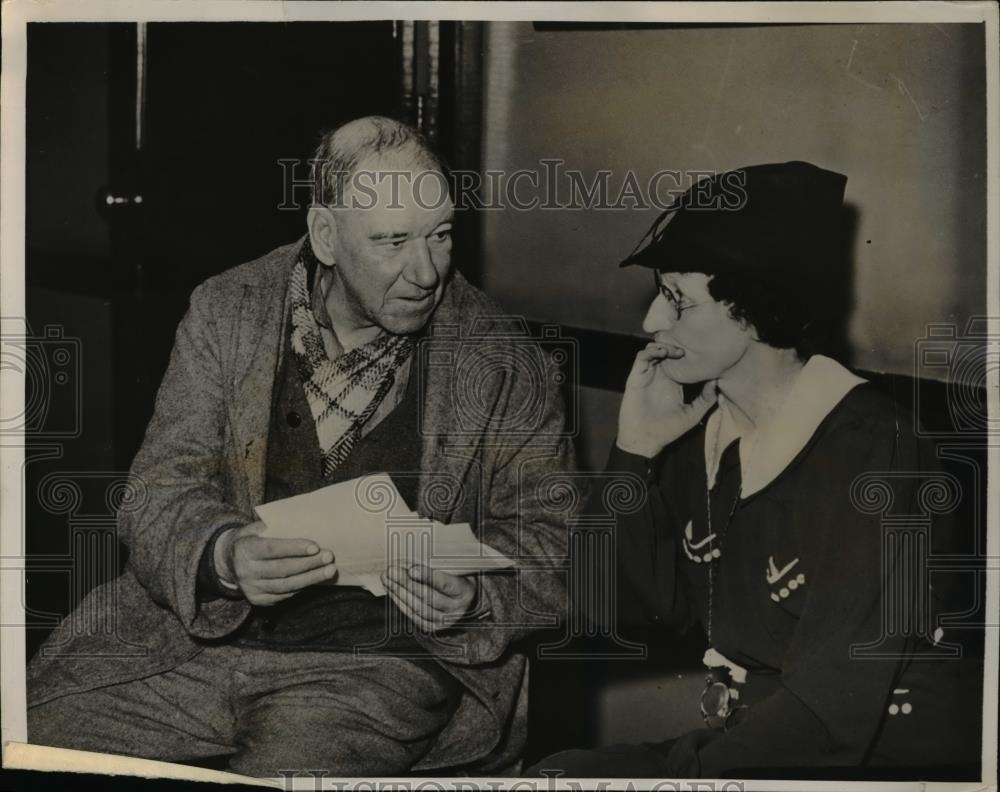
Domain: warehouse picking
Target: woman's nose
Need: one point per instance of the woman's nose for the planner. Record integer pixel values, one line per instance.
(660, 316)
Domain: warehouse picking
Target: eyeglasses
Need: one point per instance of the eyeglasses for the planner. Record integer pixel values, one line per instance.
(667, 294)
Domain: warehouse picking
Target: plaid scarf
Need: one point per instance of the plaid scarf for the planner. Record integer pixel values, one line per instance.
(342, 393)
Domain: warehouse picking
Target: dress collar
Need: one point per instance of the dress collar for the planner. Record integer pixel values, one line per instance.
(769, 448)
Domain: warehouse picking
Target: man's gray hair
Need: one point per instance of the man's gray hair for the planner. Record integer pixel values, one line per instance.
(341, 150)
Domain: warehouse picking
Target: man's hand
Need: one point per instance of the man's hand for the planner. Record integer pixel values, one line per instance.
(270, 570)
(432, 599)
(653, 413)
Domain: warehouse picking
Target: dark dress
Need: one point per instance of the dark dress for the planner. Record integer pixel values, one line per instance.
(805, 596)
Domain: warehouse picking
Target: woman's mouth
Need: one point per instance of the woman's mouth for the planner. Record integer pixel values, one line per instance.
(671, 351)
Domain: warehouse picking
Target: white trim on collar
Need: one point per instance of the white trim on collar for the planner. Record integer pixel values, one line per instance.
(767, 450)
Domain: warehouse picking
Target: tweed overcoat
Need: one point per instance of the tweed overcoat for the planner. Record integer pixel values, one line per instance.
(493, 440)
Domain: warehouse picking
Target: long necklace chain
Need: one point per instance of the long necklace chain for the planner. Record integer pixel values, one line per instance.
(711, 563)
(715, 553)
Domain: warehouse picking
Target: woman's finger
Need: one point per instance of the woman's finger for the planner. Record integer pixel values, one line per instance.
(709, 395)
(642, 367)
(651, 353)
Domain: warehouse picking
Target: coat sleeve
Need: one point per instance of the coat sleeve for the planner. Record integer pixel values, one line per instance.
(181, 464)
(829, 703)
(649, 588)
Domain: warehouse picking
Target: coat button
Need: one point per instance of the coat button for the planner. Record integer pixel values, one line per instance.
(294, 419)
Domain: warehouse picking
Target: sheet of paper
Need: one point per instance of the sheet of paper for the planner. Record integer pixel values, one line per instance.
(367, 525)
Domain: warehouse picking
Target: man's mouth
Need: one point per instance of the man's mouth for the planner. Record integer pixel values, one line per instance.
(420, 304)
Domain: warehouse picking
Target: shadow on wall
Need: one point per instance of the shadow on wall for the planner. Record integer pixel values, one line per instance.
(839, 302)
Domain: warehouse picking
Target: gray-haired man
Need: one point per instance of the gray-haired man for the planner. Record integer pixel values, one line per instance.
(295, 371)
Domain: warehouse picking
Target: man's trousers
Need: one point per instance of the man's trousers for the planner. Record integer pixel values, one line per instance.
(275, 713)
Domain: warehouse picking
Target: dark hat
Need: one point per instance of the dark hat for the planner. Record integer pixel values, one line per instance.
(773, 220)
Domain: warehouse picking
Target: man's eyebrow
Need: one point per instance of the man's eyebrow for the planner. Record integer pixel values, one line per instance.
(382, 235)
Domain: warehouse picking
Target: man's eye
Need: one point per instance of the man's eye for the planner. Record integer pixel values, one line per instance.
(396, 244)
(441, 236)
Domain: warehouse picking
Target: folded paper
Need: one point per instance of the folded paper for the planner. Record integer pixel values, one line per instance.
(367, 526)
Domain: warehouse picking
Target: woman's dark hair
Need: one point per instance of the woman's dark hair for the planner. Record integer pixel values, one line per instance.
(771, 237)
(784, 313)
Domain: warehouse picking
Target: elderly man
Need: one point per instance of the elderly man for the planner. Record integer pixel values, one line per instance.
(298, 370)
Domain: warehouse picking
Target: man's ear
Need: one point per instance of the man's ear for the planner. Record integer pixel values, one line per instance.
(322, 225)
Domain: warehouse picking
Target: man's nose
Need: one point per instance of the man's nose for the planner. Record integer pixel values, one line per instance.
(420, 270)
(660, 316)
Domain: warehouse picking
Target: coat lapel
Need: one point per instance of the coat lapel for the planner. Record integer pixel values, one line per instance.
(262, 327)
(446, 484)
(447, 480)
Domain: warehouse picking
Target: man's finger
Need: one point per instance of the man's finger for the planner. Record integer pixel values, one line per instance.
(298, 582)
(424, 595)
(419, 593)
(286, 567)
(424, 600)
(264, 599)
(281, 548)
(404, 601)
(448, 584)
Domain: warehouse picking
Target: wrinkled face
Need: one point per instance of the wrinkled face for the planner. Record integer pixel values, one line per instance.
(392, 245)
(704, 342)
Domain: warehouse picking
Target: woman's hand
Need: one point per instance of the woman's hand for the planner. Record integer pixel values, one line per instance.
(653, 413)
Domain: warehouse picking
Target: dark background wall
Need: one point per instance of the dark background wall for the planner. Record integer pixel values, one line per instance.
(221, 104)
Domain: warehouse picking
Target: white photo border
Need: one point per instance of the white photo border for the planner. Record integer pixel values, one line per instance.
(16, 15)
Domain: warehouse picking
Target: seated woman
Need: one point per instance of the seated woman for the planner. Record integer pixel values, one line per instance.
(763, 517)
